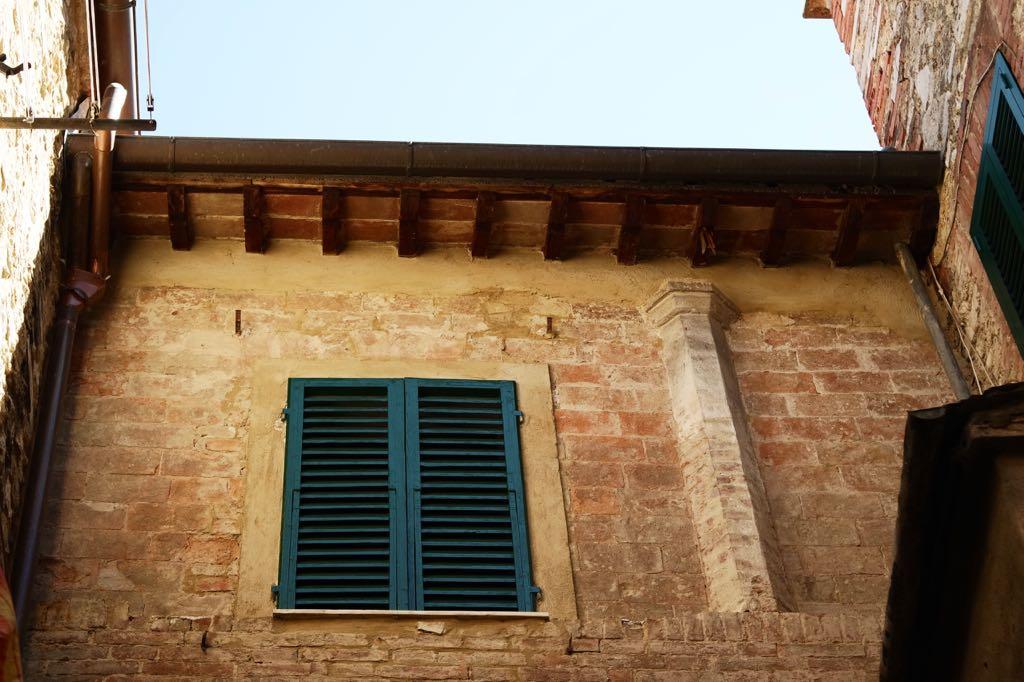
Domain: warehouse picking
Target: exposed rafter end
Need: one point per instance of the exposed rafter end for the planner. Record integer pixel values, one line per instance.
(255, 226)
(482, 221)
(775, 242)
(923, 236)
(629, 232)
(702, 238)
(554, 236)
(845, 250)
(408, 222)
(181, 232)
(332, 233)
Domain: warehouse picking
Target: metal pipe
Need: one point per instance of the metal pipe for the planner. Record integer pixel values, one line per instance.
(114, 44)
(80, 124)
(931, 322)
(896, 170)
(114, 99)
(78, 220)
(79, 290)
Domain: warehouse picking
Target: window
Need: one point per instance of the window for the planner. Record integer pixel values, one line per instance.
(997, 225)
(403, 494)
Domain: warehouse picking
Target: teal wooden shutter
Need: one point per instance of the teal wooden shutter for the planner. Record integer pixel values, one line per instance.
(465, 486)
(344, 541)
(997, 223)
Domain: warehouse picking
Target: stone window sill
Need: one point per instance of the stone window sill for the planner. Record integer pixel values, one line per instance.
(302, 614)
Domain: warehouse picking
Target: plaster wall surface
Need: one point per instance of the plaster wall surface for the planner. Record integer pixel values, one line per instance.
(926, 72)
(34, 31)
(140, 569)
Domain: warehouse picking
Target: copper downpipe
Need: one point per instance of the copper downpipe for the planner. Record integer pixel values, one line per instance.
(115, 98)
(81, 288)
(114, 29)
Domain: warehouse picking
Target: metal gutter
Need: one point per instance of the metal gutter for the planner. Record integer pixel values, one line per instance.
(890, 169)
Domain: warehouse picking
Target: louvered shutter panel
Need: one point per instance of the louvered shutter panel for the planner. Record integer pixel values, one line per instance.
(465, 486)
(997, 223)
(343, 538)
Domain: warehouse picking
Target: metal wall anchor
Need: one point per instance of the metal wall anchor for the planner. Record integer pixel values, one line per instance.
(9, 70)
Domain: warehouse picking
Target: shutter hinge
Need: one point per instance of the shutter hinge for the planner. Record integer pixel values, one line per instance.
(275, 592)
(284, 414)
(519, 415)
(535, 590)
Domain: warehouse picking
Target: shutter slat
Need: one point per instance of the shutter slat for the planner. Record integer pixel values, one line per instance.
(459, 452)
(340, 460)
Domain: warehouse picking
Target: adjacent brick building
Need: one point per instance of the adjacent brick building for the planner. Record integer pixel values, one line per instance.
(926, 70)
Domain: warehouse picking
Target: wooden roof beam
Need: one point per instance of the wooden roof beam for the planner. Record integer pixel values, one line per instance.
(408, 223)
(181, 232)
(554, 236)
(483, 219)
(845, 250)
(774, 247)
(629, 232)
(702, 238)
(255, 225)
(332, 231)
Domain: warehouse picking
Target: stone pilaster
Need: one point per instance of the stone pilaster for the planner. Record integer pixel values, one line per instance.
(738, 544)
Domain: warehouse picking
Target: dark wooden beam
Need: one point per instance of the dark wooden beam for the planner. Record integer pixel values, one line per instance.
(255, 223)
(554, 236)
(629, 232)
(482, 221)
(332, 233)
(845, 250)
(182, 235)
(408, 219)
(775, 242)
(702, 238)
(922, 238)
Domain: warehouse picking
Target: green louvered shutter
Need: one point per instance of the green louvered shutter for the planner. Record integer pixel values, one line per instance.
(343, 538)
(997, 223)
(465, 486)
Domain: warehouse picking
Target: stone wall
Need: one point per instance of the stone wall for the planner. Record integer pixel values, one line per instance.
(139, 569)
(926, 72)
(35, 32)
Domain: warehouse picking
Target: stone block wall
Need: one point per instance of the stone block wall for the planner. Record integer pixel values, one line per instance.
(37, 32)
(139, 569)
(926, 72)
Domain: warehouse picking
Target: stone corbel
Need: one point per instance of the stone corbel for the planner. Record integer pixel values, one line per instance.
(738, 544)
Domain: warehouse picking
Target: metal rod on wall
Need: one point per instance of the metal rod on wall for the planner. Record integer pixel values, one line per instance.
(83, 124)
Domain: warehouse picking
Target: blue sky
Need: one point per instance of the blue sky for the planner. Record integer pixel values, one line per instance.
(679, 73)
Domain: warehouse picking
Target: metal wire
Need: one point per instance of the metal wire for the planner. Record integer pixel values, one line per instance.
(150, 102)
(135, 54)
(94, 67)
(967, 346)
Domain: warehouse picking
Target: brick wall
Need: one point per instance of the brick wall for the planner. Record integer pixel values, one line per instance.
(926, 72)
(827, 405)
(140, 559)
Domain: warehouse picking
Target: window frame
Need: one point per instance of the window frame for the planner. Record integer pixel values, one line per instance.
(991, 171)
(405, 566)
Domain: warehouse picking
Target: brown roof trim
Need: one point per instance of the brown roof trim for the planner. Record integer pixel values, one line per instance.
(889, 169)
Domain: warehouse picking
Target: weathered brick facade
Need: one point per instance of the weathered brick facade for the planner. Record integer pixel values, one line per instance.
(140, 565)
(926, 72)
